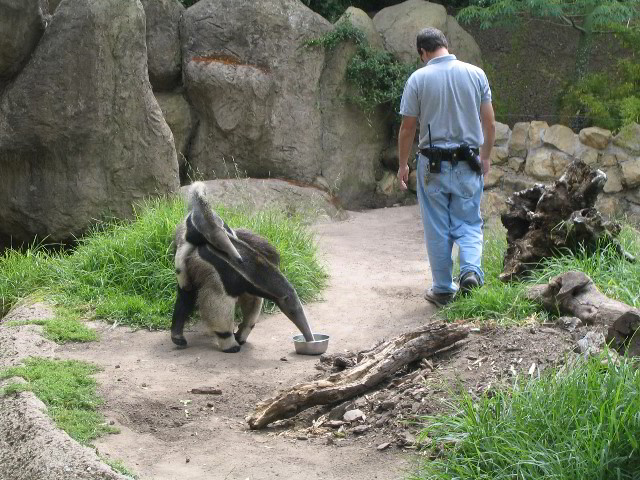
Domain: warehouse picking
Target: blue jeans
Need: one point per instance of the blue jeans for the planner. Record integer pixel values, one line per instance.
(450, 208)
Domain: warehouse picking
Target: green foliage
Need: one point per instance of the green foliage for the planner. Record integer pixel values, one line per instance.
(378, 78)
(580, 423)
(21, 274)
(589, 15)
(506, 304)
(68, 391)
(344, 31)
(65, 327)
(124, 272)
(607, 100)
(120, 467)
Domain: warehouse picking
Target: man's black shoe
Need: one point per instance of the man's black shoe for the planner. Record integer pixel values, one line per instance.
(468, 282)
(439, 299)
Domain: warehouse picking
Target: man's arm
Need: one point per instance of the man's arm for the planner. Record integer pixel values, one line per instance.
(488, 120)
(405, 140)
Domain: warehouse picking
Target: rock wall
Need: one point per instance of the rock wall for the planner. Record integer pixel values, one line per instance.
(81, 134)
(103, 103)
(534, 152)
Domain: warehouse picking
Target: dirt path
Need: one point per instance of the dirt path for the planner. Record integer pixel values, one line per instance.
(378, 272)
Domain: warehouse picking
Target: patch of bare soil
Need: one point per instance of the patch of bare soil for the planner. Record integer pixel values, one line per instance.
(378, 273)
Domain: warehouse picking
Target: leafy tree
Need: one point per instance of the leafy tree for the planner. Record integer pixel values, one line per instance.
(588, 17)
(609, 101)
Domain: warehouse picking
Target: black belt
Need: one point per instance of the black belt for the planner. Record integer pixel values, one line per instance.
(452, 155)
(463, 153)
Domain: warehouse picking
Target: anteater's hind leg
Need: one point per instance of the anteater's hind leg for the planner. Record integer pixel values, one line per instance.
(218, 310)
(185, 304)
(250, 306)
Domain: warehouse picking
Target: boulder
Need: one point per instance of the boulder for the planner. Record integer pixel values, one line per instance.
(91, 139)
(499, 155)
(562, 138)
(546, 163)
(631, 172)
(629, 138)
(399, 25)
(587, 154)
(163, 42)
(595, 137)
(518, 140)
(178, 115)
(537, 129)
(516, 164)
(503, 133)
(364, 23)
(269, 106)
(352, 141)
(614, 180)
(22, 23)
(493, 178)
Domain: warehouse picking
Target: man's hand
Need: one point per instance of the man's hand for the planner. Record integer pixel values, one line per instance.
(403, 176)
(406, 134)
(486, 166)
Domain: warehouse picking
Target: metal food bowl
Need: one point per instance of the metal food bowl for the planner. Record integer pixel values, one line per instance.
(317, 347)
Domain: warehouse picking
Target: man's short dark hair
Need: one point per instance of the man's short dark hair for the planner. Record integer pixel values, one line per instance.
(431, 39)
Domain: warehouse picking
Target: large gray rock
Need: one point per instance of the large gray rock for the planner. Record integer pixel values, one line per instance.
(253, 86)
(22, 23)
(399, 25)
(91, 139)
(352, 143)
(177, 113)
(163, 42)
(267, 105)
(359, 19)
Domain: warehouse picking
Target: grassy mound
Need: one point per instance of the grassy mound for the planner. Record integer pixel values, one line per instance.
(582, 423)
(123, 271)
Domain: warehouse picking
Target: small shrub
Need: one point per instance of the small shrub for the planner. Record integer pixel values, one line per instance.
(608, 100)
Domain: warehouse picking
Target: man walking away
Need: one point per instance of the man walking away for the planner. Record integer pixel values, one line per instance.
(451, 100)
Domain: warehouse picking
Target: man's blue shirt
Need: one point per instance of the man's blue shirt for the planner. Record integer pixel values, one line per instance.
(447, 93)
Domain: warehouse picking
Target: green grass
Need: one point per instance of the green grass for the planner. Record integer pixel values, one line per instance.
(123, 271)
(120, 467)
(62, 329)
(583, 423)
(69, 392)
(506, 303)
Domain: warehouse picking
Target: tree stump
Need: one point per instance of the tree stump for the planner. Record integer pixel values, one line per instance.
(574, 293)
(543, 221)
(377, 364)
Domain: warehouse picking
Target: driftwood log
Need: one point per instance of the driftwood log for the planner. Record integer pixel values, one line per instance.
(376, 365)
(574, 293)
(544, 221)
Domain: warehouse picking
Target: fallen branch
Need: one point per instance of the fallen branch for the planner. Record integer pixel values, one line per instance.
(574, 293)
(377, 365)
